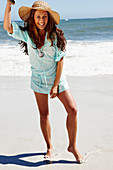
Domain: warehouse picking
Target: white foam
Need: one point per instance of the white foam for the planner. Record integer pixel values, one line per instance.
(89, 58)
(82, 59)
(13, 61)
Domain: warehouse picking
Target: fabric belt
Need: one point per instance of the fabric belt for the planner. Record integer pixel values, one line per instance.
(43, 74)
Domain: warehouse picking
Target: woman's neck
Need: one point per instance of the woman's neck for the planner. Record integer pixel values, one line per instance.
(42, 32)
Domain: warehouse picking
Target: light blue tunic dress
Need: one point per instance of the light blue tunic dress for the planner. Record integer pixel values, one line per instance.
(43, 68)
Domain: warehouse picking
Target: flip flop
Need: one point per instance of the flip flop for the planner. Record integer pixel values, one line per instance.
(12, 2)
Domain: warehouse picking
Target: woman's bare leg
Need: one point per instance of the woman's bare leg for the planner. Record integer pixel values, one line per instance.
(69, 103)
(42, 102)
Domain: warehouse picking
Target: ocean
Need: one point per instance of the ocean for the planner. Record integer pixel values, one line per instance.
(89, 49)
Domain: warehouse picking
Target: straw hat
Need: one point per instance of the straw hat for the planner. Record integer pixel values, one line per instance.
(24, 12)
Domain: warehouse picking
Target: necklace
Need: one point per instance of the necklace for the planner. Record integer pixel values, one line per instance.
(41, 54)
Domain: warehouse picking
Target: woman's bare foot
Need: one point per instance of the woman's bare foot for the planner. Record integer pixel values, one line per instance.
(77, 155)
(48, 155)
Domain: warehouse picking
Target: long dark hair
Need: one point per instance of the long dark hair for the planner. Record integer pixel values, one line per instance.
(53, 33)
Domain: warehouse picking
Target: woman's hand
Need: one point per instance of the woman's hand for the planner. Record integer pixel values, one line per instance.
(54, 91)
(12, 2)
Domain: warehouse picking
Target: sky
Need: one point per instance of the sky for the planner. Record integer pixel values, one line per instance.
(71, 9)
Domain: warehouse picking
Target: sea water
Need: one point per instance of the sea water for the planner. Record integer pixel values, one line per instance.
(89, 49)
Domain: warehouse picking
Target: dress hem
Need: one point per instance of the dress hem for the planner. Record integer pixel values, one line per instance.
(49, 93)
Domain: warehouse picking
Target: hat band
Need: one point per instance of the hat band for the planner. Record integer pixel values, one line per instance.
(40, 7)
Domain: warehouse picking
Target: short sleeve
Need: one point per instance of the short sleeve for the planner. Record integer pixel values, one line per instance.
(18, 33)
(59, 54)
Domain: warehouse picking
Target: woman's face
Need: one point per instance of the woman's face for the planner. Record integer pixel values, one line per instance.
(41, 19)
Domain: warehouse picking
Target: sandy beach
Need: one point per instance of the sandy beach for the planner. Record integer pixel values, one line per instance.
(21, 141)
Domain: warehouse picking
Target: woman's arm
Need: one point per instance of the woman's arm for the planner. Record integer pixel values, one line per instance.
(7, 18)
(54, 89)
(58, 72)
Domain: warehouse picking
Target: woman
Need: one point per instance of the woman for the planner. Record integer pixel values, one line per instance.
(45, 45)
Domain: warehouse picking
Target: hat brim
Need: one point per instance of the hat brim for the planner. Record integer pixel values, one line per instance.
(24, 13)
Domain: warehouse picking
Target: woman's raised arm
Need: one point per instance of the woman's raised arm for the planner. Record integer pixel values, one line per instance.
(7, 18)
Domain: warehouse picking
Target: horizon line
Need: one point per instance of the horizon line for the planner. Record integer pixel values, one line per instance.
(72, 18)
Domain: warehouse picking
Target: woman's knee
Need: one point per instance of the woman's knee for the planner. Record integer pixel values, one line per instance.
(44, 115)
(69, 103)
(72, 111)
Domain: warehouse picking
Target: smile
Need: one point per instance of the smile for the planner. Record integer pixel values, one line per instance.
(41, 24)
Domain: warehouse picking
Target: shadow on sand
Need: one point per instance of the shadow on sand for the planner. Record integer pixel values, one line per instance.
(16, 160)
